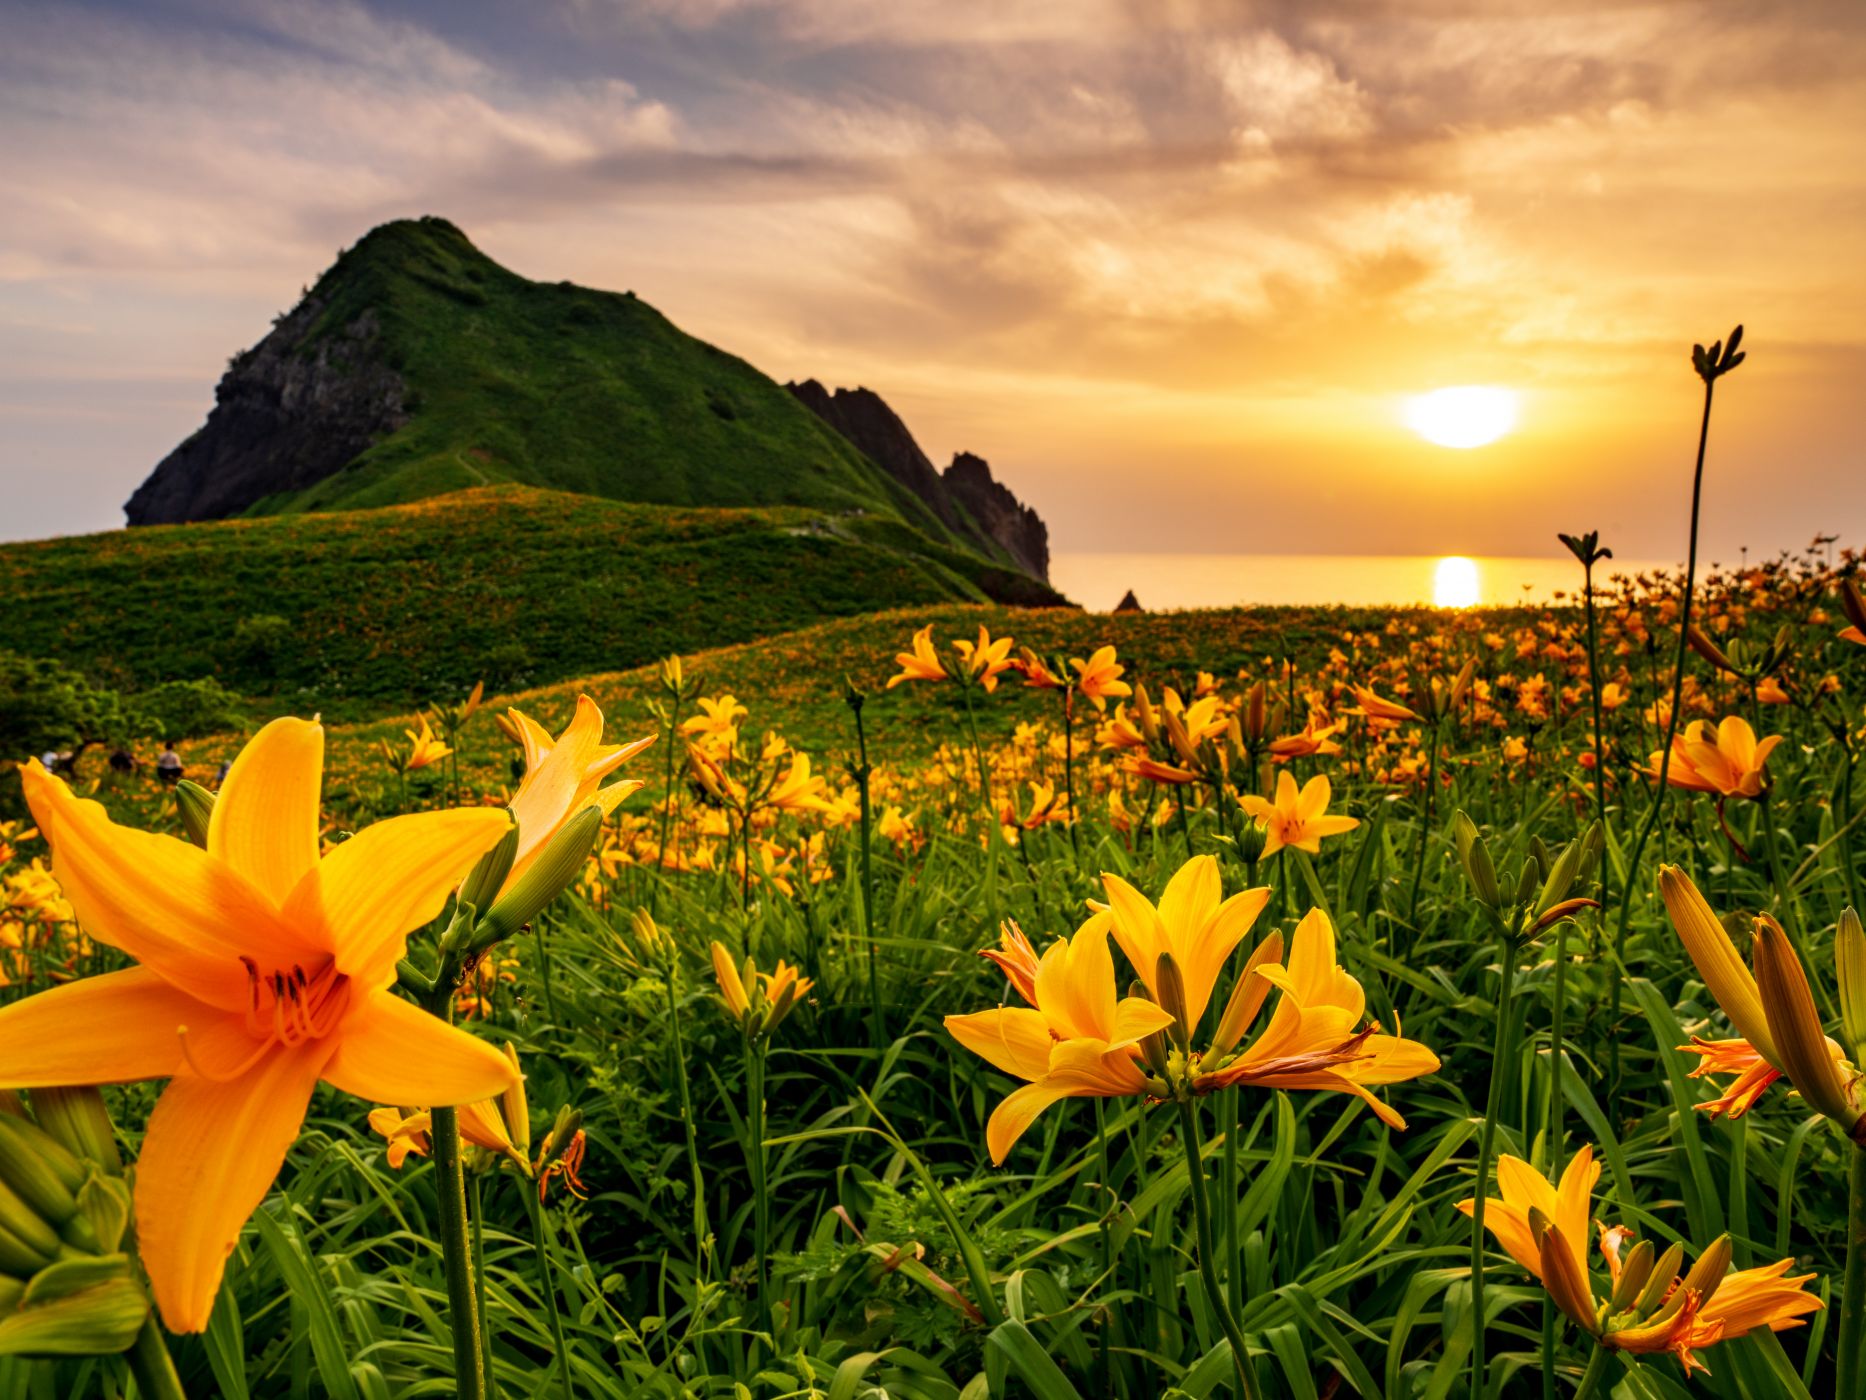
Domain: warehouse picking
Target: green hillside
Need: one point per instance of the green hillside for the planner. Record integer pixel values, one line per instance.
(553, 385)
(351, 612)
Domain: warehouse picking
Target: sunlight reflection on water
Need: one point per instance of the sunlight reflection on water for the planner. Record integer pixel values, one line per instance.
(1097, 581)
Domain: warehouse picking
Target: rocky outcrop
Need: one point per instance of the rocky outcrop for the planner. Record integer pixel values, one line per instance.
(997, 513)
(965, 497)
(296, 408)
(1129, 603)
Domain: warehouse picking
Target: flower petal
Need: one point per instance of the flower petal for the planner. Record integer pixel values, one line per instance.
(111, 1029)
(168, 904)
(1011, 1118)
(265, 820)
(391, 1051)
(390, 878)
(1015, 1039)
(211, 1153)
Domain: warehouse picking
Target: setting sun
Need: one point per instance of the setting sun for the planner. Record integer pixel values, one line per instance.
(1455, 583)
(1469, 415)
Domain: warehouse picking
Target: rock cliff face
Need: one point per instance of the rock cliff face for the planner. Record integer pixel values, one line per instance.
(966, 496)
(286, 415)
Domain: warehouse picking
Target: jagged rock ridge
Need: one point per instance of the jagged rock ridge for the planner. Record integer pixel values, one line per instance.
(965, 497)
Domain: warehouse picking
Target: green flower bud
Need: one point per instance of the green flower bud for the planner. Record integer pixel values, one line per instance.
(488, 875)
(1850, 964)
(194, 804)
(77, 1307)
(1478, 868)
(1633, 1275)
(78, 1121)
(28, 1226)
(553, 872)
(1172, 989)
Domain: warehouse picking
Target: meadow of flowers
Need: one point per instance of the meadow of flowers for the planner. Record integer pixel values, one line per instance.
(1430, 1005)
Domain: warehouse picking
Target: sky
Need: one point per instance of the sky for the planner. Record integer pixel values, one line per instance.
(1173, 267)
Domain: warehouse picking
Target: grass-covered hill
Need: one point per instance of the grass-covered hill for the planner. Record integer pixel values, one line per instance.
(355, 612)
(417, 366)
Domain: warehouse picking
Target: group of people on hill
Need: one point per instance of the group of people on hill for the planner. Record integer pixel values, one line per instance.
(168, 764)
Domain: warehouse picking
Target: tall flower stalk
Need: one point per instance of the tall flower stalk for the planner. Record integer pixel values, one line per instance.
(1711, 365)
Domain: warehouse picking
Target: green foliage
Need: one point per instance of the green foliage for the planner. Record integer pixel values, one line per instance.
(353, 612)
(187, 709)
(49, 705)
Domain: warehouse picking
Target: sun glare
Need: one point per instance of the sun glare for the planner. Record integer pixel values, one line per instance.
(1454, 584)
(1469, 415)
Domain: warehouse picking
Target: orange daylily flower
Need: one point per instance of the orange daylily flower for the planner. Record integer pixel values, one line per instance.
(423, 748)
(1075, 1040)
(1298, 819)
(920, 664)
(262, 969)
(984, 660)
(1727, 761)
(1193, 921)
(564, 775)
(1099, 678)
(1316, 738)
(1016, 959)
(1543, 1227)
(1378, 707)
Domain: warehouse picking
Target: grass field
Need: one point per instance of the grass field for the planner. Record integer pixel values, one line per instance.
(811, 1207)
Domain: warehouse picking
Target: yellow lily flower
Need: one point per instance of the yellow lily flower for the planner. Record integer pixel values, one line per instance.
(797, 791)
(1016, 959)
(1141, 766)
(719, 719)
(424, 748)
(1099, 678)
(1649, 1308)
(1315, 1038)
(1298, 819)
(1773, 1013)
(1317, 737)
(1378, 707)
(563, 776)
(1076, 1039)
(984, 660)
(1729, 764)
(1120, 732)
(1193, 921)
(920, 664)
(756, 1000)
(262, 969)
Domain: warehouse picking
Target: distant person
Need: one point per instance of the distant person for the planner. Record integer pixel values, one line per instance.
(122, 761)
(168, 764)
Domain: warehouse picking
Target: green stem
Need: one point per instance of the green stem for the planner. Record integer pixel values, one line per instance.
(1590, 1378)
(477, 1219)
(1425, 831)
(878, 1024)
(978, 751)
(547, 1283)
(667, 799)
(1617, 973)
(1852, 1344)
(1103, 1363)
(1600, 743)
(1553, 1132)
(1069, 767)
(1485, 1152)
(457, 1255)
(151, 1366)
(761, 1199)
(544, 966)
(1208, 1252)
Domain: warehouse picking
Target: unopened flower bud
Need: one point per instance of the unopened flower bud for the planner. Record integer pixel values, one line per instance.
(487, 877)
(1172, 989)
(76, 1307)
(78, 1121)
(1633, 1275)
(194, 805)
(37, 1171)
(1476, 858)
(554, 871)
(1850, 965)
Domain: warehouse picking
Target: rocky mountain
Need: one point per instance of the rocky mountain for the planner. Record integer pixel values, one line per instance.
(965, 497)
(417, 366)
